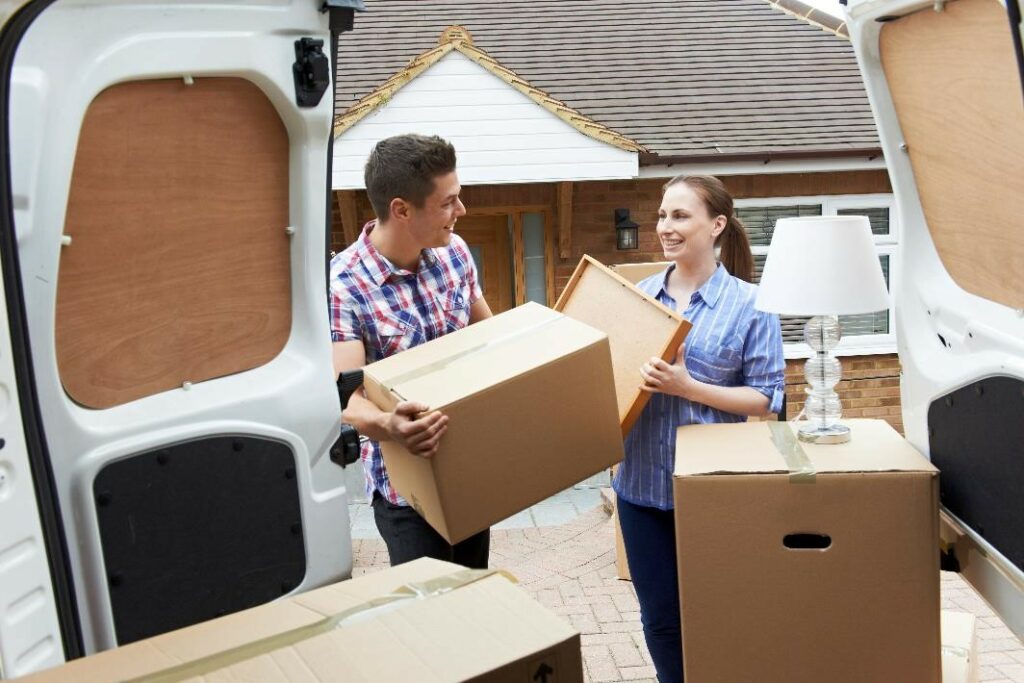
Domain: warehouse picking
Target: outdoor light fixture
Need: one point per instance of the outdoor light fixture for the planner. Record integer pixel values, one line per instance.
(625, 230)
(822, 266)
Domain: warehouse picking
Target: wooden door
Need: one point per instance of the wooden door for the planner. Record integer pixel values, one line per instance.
(488, 240)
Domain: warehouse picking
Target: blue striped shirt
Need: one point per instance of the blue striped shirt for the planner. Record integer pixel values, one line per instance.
(731, 344)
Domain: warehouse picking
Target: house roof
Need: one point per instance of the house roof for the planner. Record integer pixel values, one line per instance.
(683, 79)
(458, 39)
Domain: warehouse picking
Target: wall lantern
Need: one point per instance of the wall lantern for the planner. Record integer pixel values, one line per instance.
(625, 230)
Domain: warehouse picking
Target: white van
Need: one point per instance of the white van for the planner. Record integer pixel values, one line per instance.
(166, 401)
(946, 85)
(165, 414)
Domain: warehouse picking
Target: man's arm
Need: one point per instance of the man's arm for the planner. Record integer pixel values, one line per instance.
(479, 310)
(420, 435)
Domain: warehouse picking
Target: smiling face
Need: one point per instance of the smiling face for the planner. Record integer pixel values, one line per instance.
(432, 224)
(686, 230)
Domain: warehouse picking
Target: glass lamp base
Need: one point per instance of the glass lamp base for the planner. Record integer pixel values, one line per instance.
(812, 433)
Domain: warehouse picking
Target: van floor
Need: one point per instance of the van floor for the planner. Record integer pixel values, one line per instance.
(570, 568)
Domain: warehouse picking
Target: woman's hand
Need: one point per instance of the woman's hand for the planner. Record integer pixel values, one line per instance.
(662, 377)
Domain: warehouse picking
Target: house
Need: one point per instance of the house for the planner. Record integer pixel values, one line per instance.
(564, 113)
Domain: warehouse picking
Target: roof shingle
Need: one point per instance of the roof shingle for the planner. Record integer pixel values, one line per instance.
(683, 78)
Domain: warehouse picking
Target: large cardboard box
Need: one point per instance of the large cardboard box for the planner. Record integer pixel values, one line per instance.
(530, 398)
(621, 562)
(635, 272)
(638, 326)
(959, 647)
(804, 562)
(484, 629)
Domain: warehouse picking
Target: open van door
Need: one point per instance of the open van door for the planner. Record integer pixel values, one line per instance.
(945, 83)
(166, 393)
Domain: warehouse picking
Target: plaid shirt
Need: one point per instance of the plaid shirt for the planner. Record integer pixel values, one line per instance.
(390, 310)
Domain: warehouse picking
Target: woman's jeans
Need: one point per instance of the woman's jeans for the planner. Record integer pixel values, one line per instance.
(649, 535)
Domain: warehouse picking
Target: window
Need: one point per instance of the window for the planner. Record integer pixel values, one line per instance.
(862, 334)
(534, 250)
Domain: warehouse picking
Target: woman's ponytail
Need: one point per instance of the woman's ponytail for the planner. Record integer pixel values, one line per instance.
(735, 252)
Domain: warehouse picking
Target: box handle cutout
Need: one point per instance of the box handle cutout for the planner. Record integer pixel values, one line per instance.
(807, 541)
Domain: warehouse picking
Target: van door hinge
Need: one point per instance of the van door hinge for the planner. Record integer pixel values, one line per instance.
(312, 72)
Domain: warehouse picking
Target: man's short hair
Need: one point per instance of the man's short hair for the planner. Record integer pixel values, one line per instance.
(404, 166)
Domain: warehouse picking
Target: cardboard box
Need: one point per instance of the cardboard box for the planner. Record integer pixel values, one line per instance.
(638, 326)
(486, 630)
(635, 272)
(761, 601)
(621, 563)
(959, 647)
(530, 398)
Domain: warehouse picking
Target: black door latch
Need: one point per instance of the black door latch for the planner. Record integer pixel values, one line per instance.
(345, 450)
(312, 72)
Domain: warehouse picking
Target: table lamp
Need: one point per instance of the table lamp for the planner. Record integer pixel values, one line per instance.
(824, 267)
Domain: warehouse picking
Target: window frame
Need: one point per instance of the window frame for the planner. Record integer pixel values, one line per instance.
(885, 245)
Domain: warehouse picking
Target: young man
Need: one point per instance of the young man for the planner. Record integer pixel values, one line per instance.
(407, 279)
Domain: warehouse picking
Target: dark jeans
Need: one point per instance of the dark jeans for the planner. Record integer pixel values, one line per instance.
(649, 535)
(409, 537)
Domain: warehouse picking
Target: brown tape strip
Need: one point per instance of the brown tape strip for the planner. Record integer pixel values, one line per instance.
(801, 471)
(221, 660)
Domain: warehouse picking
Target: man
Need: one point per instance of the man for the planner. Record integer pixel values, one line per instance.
(407, 279)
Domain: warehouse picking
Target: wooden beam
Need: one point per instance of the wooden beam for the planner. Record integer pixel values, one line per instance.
(349, 216)
(565, 219)
(518, 259)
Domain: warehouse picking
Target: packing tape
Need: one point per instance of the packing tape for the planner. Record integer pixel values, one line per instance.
(801, 471)
(392, 382)
(957, 651)
(411, 591)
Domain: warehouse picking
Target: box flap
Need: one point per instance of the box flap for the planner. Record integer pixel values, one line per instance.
(489, 352)
(959, 647)
(747, 447)
(958, 631)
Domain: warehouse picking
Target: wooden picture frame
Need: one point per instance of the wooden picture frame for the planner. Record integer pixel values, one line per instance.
(638, 327)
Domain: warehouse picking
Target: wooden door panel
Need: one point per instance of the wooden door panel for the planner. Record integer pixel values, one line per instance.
(487, 237)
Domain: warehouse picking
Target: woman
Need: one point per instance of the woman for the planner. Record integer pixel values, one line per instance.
(730, 367)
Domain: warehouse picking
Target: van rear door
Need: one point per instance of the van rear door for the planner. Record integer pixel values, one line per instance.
(945, 83)
(164, 270)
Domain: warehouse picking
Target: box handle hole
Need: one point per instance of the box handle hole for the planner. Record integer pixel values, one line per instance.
(807, 541)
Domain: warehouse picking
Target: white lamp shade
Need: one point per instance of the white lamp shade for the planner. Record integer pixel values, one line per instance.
(822, 265)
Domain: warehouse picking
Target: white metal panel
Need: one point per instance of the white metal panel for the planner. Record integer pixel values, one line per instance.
(985, 338)
(500, 134)
(29, 630)
(293, 398)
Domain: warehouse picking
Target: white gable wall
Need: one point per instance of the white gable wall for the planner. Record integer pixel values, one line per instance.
(500, 134)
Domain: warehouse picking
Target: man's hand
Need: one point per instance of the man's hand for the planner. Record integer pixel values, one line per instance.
(419, 435)
(659, 376)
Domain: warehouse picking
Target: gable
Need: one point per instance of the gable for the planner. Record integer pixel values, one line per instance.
(500, 134)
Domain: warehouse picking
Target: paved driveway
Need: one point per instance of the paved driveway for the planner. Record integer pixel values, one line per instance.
(570, 568)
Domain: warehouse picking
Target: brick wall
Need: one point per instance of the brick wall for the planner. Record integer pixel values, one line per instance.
(870, 388)
(593, 231)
